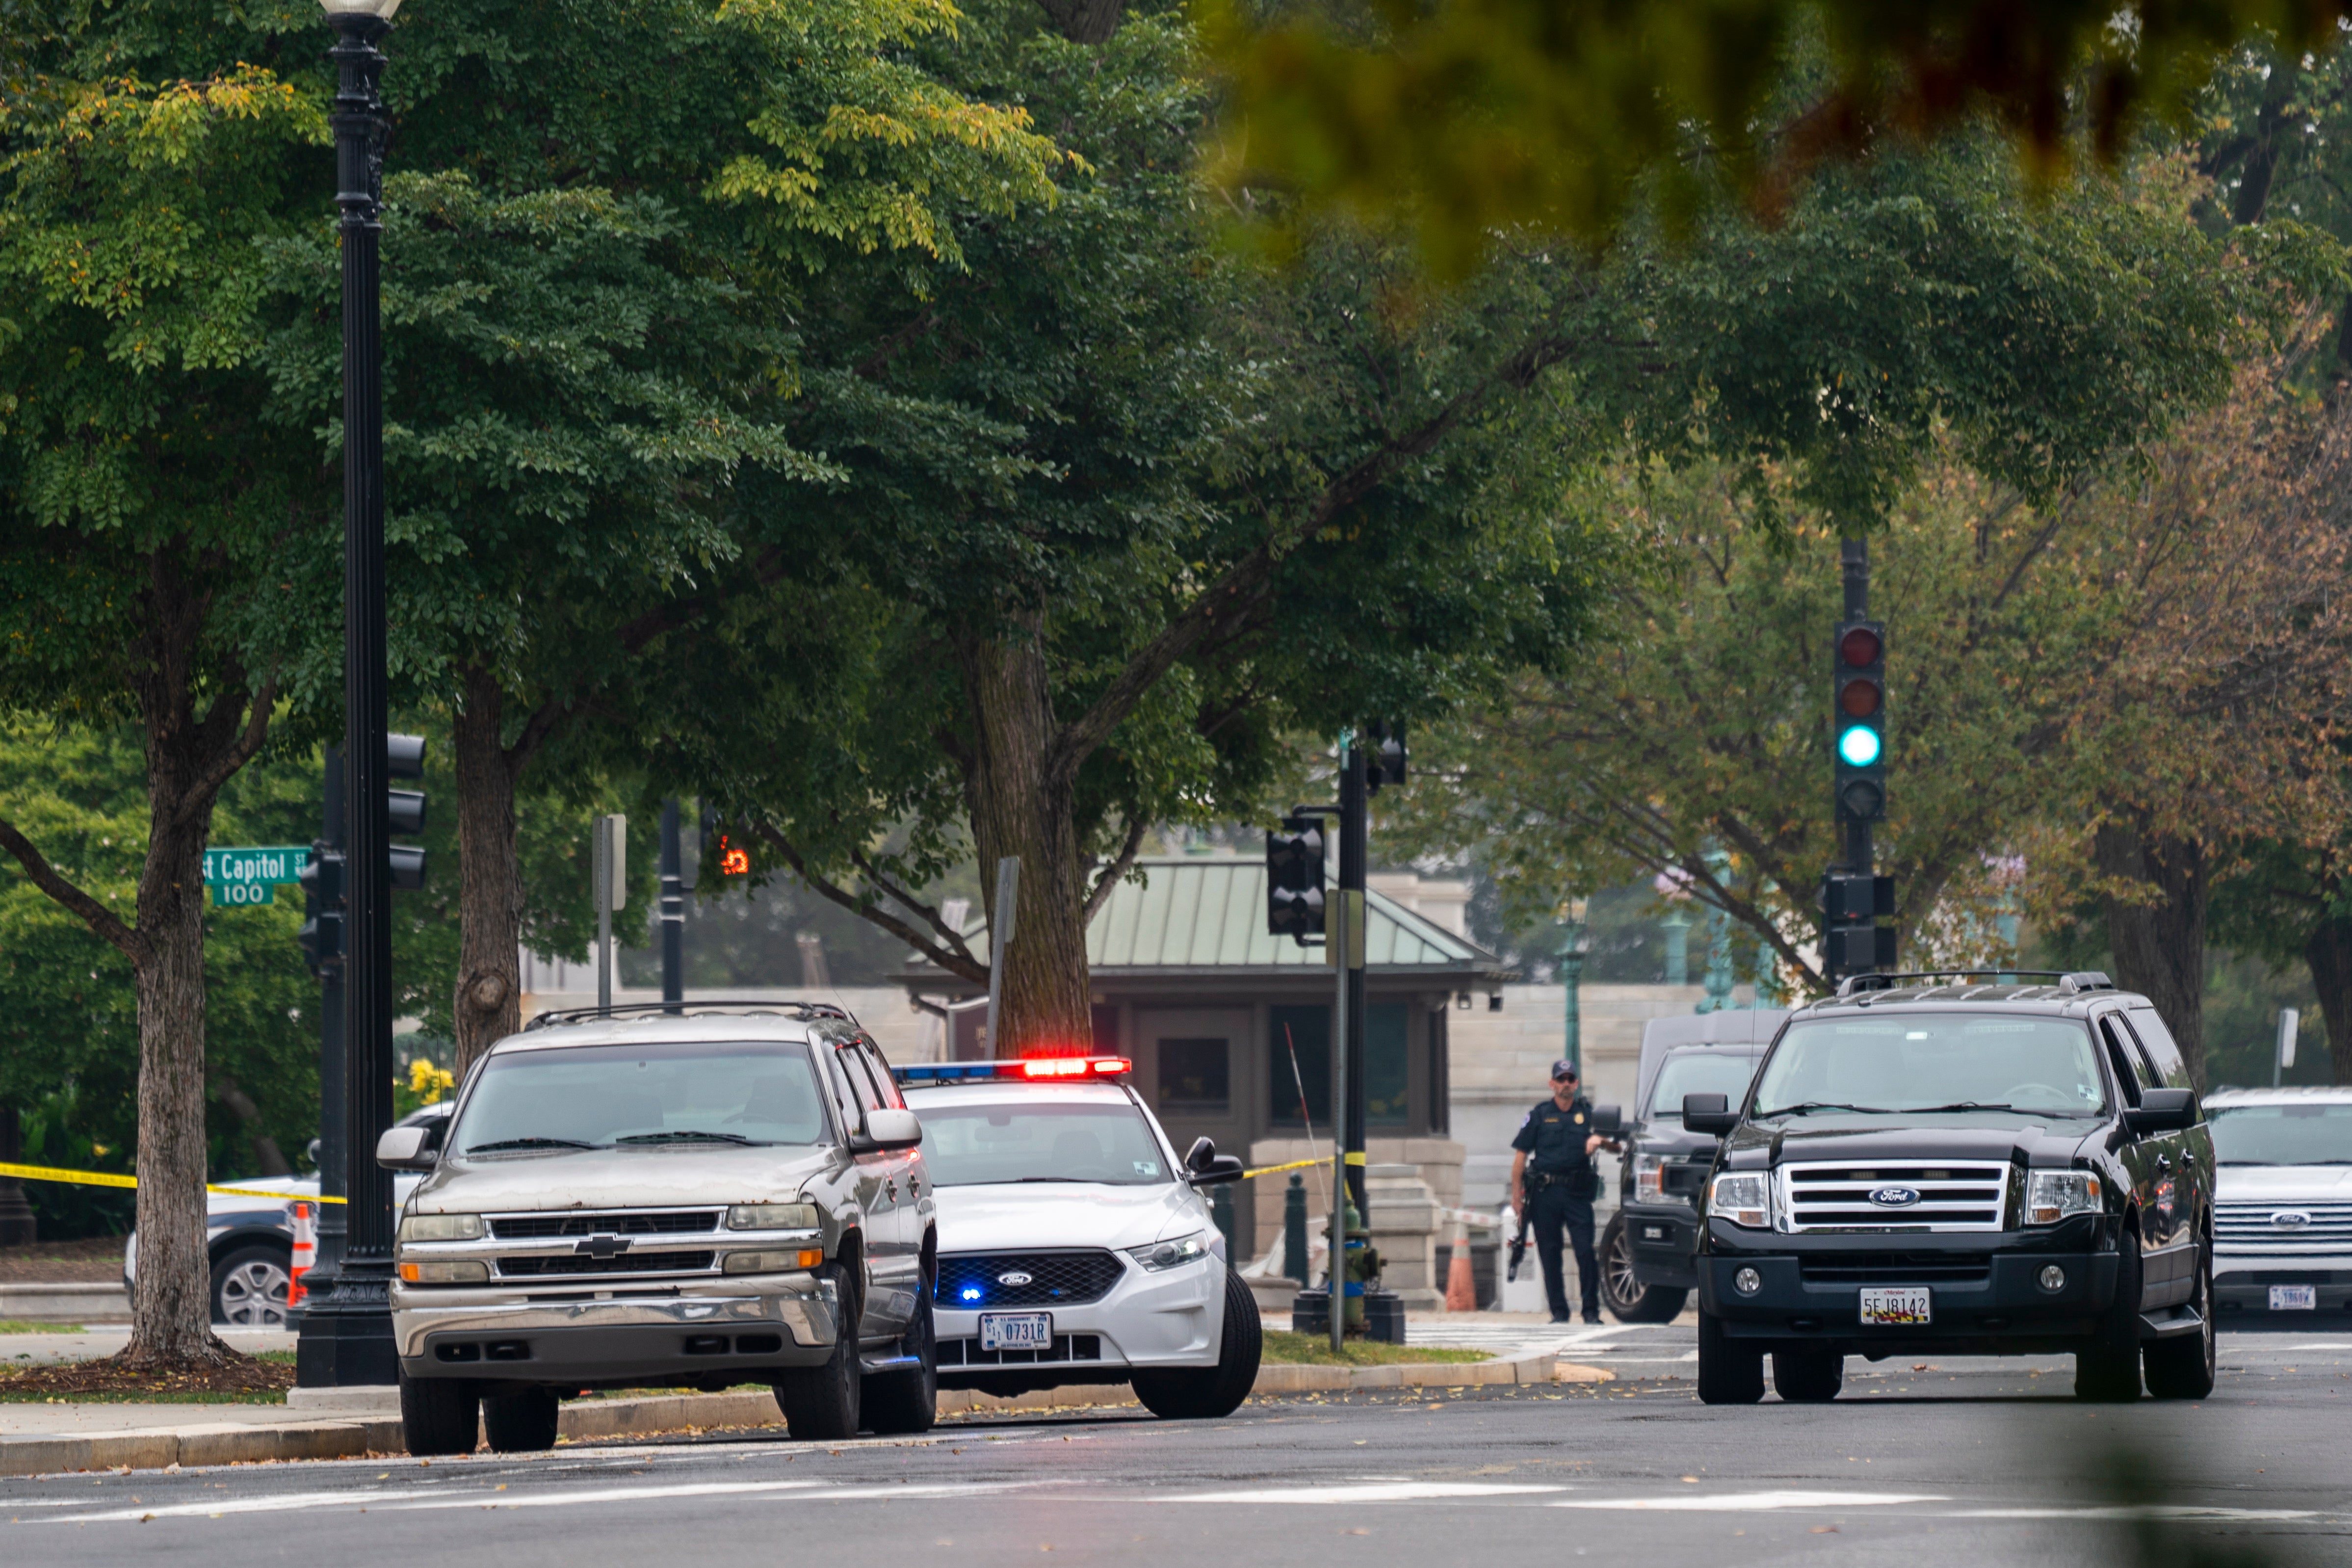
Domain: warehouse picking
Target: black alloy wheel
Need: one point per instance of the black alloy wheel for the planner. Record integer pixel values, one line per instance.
(1628, 1300)
(1209, 1392)
(2107, 1366)
(1807, 1374)
(523, 1423)
(440, 1416)
(2184, 1368)
(906, 1401)
(1730, 1371)
(823, 1404)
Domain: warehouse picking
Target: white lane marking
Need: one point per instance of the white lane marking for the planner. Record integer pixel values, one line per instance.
(286, 1502)
(2324, 1345)
(2160, 1511)
(1743, 1502)
(1382, 1491)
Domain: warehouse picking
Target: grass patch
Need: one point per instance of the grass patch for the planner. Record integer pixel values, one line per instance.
(1285, 1349)
(18, 1326)
(115, 1396)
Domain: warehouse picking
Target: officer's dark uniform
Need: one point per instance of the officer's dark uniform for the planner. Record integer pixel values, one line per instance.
(1560, 1186)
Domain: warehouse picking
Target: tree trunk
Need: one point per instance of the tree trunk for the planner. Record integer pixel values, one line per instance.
(1085, 21)
(2159, 941)
(170, 1307)
(487, 1006)
(2329, 954)
(1015, 811)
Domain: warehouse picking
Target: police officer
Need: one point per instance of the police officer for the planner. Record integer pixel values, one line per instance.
(1553, 1183)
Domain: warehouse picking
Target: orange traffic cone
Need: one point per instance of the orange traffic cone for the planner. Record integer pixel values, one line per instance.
(306, 1252)
(1461, 1294)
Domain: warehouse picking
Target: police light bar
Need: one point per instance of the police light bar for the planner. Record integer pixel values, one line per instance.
(1031, 1070)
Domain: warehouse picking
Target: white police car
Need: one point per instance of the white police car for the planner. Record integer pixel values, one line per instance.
(1075, 1248)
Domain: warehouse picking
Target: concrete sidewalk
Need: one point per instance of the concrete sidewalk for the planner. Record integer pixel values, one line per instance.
(43, 1438)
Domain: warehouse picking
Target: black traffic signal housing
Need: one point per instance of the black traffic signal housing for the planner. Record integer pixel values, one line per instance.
(1383, 749)
(1294, 879)
(404, 759)
(1858, 715)
(1852, 943)
(321, 936)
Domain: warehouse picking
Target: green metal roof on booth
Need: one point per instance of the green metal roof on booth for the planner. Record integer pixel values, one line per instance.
(1198, 912)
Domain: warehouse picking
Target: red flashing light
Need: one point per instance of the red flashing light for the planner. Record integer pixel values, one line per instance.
(1075, 1066)
(732, 862)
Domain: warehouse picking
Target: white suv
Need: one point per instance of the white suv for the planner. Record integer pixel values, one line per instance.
(2283, 1221)
(1075, 1248)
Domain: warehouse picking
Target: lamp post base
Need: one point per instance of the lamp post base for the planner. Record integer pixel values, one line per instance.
(346, 1334)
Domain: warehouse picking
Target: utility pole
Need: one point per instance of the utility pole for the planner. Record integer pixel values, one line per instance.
(609, 867)
(315, 1350)
(1355, 831)
(673, 911)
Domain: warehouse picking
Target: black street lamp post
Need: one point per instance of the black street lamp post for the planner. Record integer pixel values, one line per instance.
(347, 1326)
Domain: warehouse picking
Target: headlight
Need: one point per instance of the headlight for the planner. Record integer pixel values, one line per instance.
(773, 1262)
(1169, 1254)
(772, 1217)
(447, 1271)
(1650, 1180)
(1743, 1197)
(2053, 1196)
(441, 1227)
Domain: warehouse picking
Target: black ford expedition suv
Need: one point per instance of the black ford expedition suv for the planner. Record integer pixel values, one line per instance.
(1924, 1165)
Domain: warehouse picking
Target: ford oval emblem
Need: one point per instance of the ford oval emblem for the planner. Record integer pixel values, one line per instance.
(2290, 1219)
(1895, 1197)
(1016, 1278)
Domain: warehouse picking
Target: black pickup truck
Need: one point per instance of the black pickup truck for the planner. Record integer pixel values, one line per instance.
(1928, 1165)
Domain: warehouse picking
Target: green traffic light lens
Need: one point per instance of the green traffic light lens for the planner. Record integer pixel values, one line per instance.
(1859, 746)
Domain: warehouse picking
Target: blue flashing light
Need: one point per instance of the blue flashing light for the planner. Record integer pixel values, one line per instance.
(1859, 746)
(971, 1292)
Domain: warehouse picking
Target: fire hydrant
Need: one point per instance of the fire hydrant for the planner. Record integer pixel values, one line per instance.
(1363, 1267)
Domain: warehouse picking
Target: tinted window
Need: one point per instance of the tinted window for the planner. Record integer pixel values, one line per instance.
(1700, 1072)
(641, 1096)
(879, 1065)
(2130, 1069)
(2170, 1064)
(1921, 1061)
(973, 1145)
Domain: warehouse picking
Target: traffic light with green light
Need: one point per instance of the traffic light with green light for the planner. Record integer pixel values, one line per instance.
(1858, 709)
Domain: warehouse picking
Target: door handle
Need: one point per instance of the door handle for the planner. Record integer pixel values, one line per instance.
(890, 1189)
(2164, 1163)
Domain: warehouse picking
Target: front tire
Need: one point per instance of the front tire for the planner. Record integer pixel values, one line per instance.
(1206, 1394)
(2185, 1368)
(1628, 1300)
(523, 1423)
(438, 1415)
(1729, 1371)
(823, 1404)
(2106, 1368)
(901, 1403)
(249, 1288)
(1807, 1374)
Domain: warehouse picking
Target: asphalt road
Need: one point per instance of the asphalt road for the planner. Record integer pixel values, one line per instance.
(1922, 1464)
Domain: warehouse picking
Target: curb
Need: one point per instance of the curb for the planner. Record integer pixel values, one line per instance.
(92, 1303)
(227, 1444)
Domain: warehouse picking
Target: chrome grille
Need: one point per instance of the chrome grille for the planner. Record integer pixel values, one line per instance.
(2252, 1228)
(674, 1222)
(1952, 1195)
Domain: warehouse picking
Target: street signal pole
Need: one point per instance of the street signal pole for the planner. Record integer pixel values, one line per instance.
(1853, 895)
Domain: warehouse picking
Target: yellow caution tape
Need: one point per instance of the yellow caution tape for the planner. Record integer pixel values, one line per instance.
(110, 1179)
(1356, 1158)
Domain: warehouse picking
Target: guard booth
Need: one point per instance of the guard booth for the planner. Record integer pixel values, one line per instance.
(1230, 1027)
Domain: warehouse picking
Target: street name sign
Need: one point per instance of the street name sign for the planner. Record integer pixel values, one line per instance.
(240, 878)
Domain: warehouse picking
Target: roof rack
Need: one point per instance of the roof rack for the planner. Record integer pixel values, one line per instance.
(687, 1010)
(2070, 981)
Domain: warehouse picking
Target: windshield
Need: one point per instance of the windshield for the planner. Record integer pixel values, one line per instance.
(1700, 1072)
(973, 1145)
(1908, 1063)
(595, 1096)
(2311, 1133)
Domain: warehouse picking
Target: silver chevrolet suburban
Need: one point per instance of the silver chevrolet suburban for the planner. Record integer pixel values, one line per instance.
(626, 1197)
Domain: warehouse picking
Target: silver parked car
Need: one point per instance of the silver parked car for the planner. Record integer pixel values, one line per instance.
(2283, 1222)
(623, 1197)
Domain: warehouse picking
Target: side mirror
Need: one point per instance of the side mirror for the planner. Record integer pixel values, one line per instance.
(893, 1129)
(1198, 1156)
(409, 1148)
(2162, 1111)
(1219, 1170)
(1609, 1120)
(1708, 1113)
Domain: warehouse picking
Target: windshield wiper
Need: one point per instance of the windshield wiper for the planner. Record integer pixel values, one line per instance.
(527, 1143)
(1806, 1107)
(685, 1136)
(2271, 1161)
(1080, 1180)
(1968, 1105)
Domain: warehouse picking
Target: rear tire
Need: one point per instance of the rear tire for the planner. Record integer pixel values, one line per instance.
(440, 1416)
(1628, 1300)
(1205, 1393)
(823, 1404)
(2185, 1368)
(1729, 1371)
(900, 1403)
(523, 1423)
(1807, 1374)
(249, 1288)
(2106, 1367)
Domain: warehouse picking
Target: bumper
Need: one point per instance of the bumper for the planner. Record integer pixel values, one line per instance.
(1663, 1240)
(1175, 1319)
(2242, 1284)
(1983, 1300)
(733, 1330)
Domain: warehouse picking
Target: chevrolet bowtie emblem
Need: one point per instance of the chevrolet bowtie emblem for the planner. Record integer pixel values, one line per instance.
(602, 1246)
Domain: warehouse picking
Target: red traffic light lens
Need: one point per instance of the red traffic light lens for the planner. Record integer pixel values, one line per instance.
(1860, 645)
(1859, 699)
